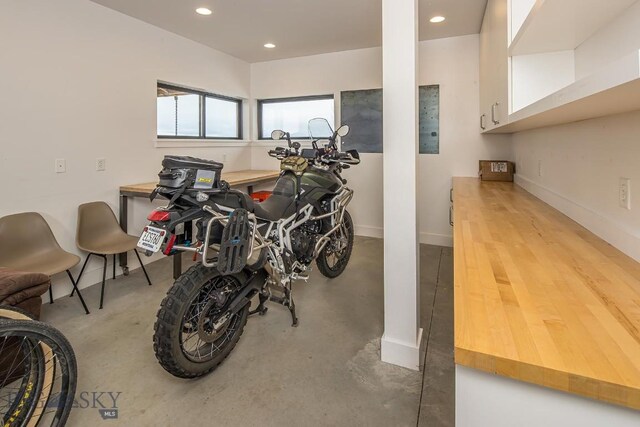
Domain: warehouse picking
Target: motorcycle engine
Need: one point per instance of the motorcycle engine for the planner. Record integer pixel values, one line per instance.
(303, 241)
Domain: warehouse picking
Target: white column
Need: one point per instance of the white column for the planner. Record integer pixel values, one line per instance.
(402, 339)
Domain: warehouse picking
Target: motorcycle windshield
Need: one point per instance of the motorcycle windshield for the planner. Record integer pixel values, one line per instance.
(320, 129)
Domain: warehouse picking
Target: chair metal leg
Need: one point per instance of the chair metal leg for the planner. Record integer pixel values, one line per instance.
(75, 288)
(144, 270)
(50, 295)
(114, 266)
(81, 271)
(104, 277)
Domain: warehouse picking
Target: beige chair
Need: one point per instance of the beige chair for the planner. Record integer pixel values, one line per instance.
(100, 234)
(28, 244)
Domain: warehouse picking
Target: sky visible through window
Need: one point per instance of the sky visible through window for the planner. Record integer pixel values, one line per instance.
(221, 118)
(294, 116)
(179, 115)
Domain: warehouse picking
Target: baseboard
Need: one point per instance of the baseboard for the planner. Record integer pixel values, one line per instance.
(436, 239)
(601, 226)
(425, 238)
(402, 354)
(369, 231)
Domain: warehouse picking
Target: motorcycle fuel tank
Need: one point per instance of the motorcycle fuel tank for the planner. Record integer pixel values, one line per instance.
(314, 177)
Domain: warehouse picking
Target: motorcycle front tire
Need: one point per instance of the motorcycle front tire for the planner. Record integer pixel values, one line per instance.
(323, 261)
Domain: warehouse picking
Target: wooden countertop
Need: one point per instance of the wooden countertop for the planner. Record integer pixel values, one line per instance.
(244, 177)
(540, 299)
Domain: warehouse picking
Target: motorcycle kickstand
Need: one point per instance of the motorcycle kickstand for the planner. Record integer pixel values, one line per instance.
(292, 307)
(261, 309)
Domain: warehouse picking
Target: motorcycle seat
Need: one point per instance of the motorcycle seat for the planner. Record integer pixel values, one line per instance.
(234, 200)
(275, 207)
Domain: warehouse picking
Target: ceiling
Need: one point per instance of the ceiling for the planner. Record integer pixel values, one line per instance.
(297, 27)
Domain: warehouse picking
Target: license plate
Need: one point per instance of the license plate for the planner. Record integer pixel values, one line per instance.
(152, 238)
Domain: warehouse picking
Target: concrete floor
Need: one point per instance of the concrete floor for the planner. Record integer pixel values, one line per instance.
(325, 372)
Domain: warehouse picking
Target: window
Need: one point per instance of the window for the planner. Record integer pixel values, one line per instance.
(188, 113)
(293, 114)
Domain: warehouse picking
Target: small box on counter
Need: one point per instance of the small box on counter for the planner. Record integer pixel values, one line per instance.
(497, 170)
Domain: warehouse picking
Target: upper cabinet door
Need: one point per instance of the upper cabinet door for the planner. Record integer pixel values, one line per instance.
(494, 65)
(485, 69)
(548, 62)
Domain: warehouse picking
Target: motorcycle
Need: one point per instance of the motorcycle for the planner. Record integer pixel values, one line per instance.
(245, 248)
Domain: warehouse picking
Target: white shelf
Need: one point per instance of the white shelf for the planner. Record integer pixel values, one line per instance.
(555, 25)
(611, 90)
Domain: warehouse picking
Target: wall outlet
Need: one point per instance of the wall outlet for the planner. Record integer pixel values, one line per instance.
(540, 171)
(624, 191)
(101, 164)
(61, 166)
(224, 158)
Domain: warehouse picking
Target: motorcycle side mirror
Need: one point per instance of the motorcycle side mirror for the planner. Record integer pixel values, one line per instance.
(277, 134)
(343, 131)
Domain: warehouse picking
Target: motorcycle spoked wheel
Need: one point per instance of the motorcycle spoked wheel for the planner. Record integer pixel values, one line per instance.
(334, 257)
(185, 341)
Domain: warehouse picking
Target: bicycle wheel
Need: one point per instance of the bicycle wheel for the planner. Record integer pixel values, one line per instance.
(15, 313)
(38, 374)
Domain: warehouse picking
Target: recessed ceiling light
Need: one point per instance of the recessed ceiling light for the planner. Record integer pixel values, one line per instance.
(437, 19)
(203, 11)
(269, 45)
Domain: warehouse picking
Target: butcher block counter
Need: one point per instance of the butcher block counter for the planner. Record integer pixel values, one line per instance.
(540, 299)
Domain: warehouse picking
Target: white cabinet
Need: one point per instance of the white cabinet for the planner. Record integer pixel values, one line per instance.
(494, 66)
(557, 25)
(545, 62)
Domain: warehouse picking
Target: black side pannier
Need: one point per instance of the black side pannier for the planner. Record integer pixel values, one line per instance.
(189, 172)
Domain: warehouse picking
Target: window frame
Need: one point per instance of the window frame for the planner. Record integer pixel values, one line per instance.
(261, 102)
(203, 95)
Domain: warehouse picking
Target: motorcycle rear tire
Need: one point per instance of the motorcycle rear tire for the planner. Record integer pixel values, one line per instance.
(168, 328)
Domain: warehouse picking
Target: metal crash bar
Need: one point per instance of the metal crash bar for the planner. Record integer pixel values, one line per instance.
(343, 200)
(342, 204)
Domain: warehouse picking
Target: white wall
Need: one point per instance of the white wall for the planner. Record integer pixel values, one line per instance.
(78, 81)
(320, 75)
(518, 12)
(617, 39)
(534, 77)
(453, 64)
(581, 163)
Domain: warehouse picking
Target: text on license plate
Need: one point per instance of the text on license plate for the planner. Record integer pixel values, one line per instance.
(152, 238)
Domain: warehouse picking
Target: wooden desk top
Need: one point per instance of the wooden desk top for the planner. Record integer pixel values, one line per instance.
(540, 299)
(245, 177)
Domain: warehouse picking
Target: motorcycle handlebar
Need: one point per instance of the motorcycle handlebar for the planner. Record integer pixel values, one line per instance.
(327, 155)
(279, 151)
